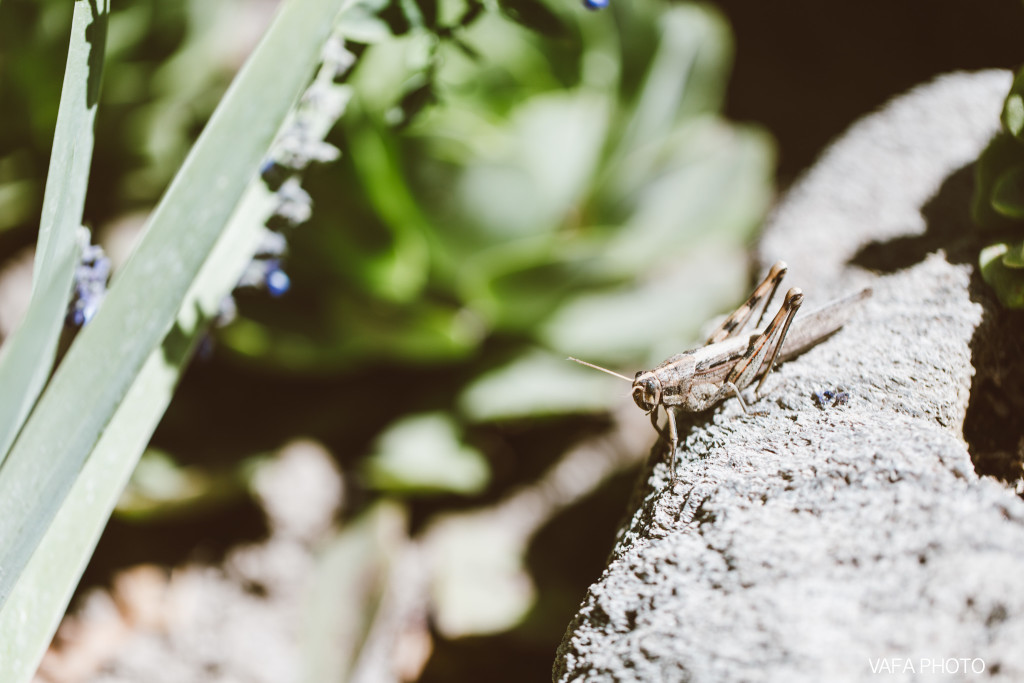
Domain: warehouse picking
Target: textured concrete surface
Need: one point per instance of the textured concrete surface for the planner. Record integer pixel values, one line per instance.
(843, 543)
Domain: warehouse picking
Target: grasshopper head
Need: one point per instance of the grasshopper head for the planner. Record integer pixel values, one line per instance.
(646, 391)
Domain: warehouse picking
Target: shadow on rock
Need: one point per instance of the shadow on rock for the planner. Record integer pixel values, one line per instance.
(992, 428)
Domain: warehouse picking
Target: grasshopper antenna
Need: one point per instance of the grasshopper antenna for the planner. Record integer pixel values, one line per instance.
(598, 367)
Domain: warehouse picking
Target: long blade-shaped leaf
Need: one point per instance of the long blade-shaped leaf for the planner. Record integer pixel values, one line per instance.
(30, 616)
(145, 298)
(27, 356)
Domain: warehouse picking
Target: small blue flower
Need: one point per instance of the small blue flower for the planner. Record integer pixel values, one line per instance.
(823, 398)
(272, 245)
(277, 281)
(91, 275)
(300, 143)
(829, 398)
(595, 4)
(82, 310)
(273, 173)
(299, 146)
(266, 273)
(294, 205)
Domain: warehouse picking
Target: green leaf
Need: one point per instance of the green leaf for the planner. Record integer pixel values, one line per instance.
(1013, 114)
(1008, 192)
(413, 14)
(401, 273)
(423, 454)
(686, 74)
(650, 320)
(1008, 283)
(480, 584)
(1002, 154)
(703, 184)
(361, 24)
(349, 583)
(69, 463)
(1013, 108)
(539, 383)
(160, 488)
(31, 613)
(27, 357)
(1014, 257)
(549, 153)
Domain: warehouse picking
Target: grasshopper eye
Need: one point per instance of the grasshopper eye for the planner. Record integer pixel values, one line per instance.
(646, 392)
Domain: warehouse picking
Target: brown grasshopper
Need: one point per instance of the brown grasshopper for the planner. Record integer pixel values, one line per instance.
(696, 380)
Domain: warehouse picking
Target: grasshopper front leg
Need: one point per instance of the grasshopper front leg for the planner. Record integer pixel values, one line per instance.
(672, 438)
(704, 391)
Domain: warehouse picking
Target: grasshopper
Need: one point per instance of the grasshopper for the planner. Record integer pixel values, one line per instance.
(729, 361)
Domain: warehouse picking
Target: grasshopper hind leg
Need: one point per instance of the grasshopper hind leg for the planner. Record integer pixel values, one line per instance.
(793, 300)
(762, 295)
(752, 363)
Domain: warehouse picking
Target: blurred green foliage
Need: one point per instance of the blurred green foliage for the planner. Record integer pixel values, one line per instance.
(422, 454)
(521, 180)
(999, 201)
(169, 63)
(537, 173)
(569, 189)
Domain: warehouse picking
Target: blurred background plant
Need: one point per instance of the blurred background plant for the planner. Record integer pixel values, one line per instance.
(519, 180)
(999, 202)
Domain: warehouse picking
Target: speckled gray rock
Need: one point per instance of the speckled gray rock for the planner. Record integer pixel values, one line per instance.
(841, 543)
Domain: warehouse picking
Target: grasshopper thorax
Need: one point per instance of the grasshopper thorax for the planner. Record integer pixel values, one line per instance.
(647, 390)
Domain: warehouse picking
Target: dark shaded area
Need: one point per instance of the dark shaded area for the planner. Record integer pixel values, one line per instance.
(992, 428)
(565, 557)
(96, 34)
(948, 227)
(226, 409)
(204, 536)
(806, 70)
